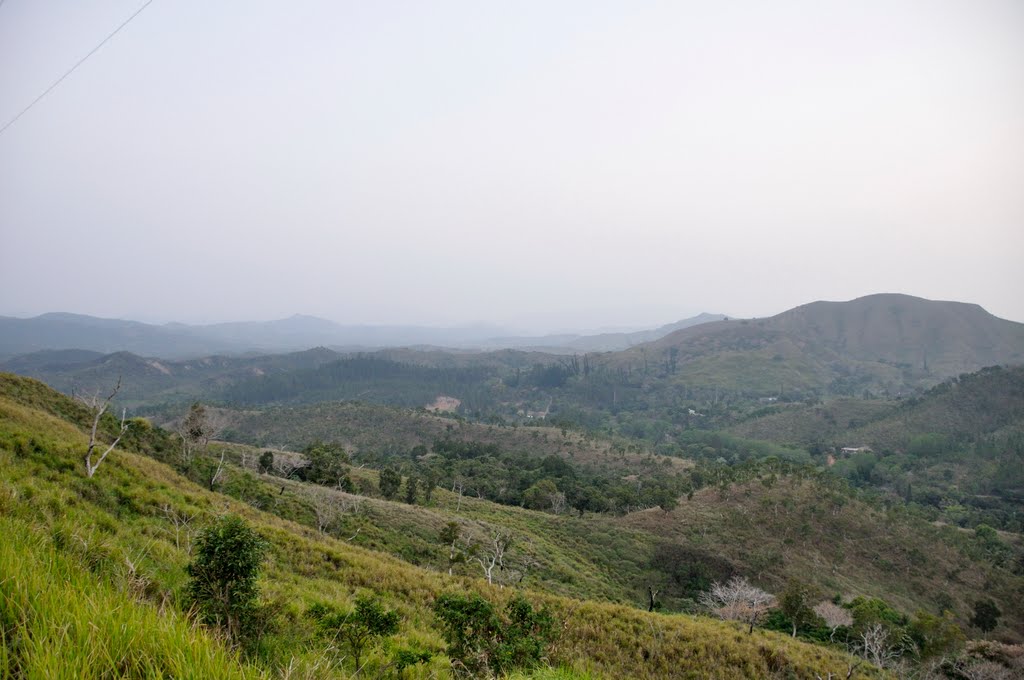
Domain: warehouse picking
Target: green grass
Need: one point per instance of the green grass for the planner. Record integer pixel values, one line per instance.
(95, 572)
(59, 620)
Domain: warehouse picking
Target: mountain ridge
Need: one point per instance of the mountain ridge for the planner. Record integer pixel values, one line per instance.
(887, 343)
(55, 331)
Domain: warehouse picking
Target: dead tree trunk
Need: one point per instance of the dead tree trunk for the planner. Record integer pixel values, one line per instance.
(97, 410)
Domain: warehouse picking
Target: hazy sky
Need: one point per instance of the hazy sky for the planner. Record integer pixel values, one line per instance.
(544, 165)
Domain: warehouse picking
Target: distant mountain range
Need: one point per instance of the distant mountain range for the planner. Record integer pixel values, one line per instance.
(880, 344)
(599, 342)
(62, 331)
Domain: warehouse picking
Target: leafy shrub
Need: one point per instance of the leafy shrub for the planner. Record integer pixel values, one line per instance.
(222, 585)
(406, 657)
(481, 642)
(358, 628)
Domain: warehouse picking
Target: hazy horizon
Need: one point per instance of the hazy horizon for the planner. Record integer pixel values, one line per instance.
(498, 327)
(542, 167)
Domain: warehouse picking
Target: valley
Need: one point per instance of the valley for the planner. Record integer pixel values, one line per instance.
(818, 451)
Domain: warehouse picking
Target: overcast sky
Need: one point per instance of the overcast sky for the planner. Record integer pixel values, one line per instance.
(542, 165)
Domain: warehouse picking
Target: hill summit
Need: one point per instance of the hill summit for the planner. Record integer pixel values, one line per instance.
(887, 342)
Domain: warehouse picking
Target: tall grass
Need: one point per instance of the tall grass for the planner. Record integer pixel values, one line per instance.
(58, 620)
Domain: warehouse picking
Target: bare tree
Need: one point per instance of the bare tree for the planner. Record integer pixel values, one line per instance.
(458, 484)
(652, 596)
(329, 506)
(197, 428)
(982, 670)
(495, 555)
(194, 432)
(450, 535)
(558, 502)
(96, 410)
(285, 465)
(879, 646)
(738, 600)
(182, 523)
(325, 509)
(215, 477)
(834, 616)
(213, 426)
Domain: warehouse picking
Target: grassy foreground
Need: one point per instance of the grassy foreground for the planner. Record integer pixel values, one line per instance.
(93, 578)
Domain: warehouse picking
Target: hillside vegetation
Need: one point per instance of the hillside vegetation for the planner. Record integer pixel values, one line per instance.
(887, 344)
(958, 449)
(112, 545)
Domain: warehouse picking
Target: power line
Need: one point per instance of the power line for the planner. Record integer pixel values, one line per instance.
(81, 61)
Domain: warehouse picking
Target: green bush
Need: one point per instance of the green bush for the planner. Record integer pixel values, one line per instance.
(222, 585)
(357, 628)
(481, 642)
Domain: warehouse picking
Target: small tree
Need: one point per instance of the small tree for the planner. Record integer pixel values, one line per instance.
(738, 600)
(428, 483)
(450, 537)
(223, 574)
(538, 496)
(936, 636)
(986, 615)
(266, 464)
(795, 603)
(96, 410)
(194, 432)
(359, 628)
(327, 464)
(390, 481)
(411, 486)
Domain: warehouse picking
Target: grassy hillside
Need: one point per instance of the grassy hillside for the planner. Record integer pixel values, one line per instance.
(757, 519)
(61, 620)
(364, 427)
(881, 343)
(962, 409)
(795, 527)
(826, 423)
(108, 544)
(806, 518)
(936, 338)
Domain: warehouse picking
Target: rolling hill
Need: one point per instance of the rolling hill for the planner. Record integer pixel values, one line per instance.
(882, 343)
(105, 558)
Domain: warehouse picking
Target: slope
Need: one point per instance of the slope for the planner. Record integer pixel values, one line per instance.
(958, 450)
(883, 342)
(119, 526)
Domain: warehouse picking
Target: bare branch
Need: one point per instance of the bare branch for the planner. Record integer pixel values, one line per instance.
(880, 646)
(329, 506)
(738, 600)
(500, 542)
(98, 409)
(834, 616)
